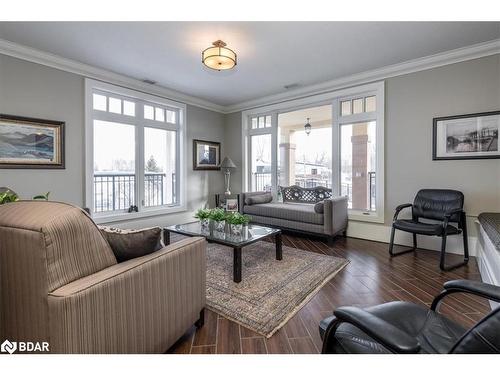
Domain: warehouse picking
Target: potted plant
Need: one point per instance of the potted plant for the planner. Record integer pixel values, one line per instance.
(42, 197)
(237, 221)
(218, 216)
(8, 197)
(203, 214)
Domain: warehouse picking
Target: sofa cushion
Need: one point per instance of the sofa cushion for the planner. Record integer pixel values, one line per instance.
(319, 207)
(259, 199)
(130, 243)
(289, 211)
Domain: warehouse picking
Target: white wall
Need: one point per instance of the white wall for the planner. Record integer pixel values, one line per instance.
(32, 90)
(412, 101)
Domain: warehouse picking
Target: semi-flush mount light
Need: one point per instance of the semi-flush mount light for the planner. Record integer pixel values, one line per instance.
(219, 57)
(307, 126)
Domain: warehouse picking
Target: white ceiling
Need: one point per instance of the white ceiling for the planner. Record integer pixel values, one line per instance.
(270, 54)
(315, 114)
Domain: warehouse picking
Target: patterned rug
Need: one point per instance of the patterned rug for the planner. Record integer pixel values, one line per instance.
(271, 291)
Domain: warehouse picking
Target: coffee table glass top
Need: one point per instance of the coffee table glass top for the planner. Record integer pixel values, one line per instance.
(250, 233)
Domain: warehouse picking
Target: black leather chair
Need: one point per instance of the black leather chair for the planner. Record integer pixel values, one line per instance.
(407, 328)
(445, 206)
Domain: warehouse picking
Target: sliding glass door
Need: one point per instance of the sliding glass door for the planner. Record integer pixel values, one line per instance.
(305, 147)
(335, 140)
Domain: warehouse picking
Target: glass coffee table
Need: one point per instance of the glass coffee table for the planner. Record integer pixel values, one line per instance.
(249, 235)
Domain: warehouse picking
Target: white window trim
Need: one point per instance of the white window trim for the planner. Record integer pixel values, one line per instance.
(90, 115)
(329, 98)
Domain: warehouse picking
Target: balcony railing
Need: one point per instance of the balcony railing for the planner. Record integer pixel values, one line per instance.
(116, 191)
(262, 182)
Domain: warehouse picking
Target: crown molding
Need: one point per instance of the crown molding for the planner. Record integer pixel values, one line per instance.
(89, 71)
(424, 63)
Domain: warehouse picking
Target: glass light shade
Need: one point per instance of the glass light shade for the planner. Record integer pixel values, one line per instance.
(219, 57)
(307, 127)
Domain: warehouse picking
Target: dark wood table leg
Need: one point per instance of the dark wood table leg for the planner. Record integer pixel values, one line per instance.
(237, 264)
(279, 246)
(166, 237)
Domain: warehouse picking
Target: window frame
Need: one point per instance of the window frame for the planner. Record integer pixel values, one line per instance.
(334, 99)
(139, 122)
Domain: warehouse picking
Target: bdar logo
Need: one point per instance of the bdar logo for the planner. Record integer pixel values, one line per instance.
(8, 347)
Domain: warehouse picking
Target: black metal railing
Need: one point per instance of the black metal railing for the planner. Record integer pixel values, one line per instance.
(116, 191)
(371, 185)
(346, 189)
(262, 182)
(313, 182)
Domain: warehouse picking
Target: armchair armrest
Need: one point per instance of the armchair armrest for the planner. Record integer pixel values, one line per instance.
(399, 209)
(129, 268)
(449, 214)
(488, 291)
(385, 333)
(144, 304)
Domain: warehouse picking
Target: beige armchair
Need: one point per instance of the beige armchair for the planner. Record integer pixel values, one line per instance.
(60, 283)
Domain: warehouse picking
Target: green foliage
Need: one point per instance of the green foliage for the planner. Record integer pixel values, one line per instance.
(235, 218)
(42, 197)
(202, 214)
(217, 214)
(8, 197)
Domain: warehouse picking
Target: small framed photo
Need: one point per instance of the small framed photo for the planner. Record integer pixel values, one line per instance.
(31, 143)
(232, 205)
(473, 136)
(206, 155)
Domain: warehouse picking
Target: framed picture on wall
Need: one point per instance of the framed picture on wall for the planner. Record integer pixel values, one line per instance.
(206, 155)
(31, 143)
(473, 136)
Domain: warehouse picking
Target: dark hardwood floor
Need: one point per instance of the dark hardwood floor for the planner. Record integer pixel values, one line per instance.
(371, 277)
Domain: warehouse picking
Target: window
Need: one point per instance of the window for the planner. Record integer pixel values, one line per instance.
(344, 151)
(358, 165)
(261, 122)
(358, 105)
(359, 126)
(134, 144)
(261, 162)
(305, 159)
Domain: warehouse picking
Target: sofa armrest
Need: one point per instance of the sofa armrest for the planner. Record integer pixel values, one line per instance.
(139, 306)
(335, 211)
(243, 196)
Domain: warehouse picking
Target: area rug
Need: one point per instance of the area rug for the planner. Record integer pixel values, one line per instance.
(271, 291)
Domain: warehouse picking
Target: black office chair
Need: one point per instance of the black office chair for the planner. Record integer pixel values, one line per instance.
(407, 328)
(441, 205)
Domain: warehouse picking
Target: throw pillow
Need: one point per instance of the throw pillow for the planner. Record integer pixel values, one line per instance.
(319, 207)
(259, 199)
(129, 243)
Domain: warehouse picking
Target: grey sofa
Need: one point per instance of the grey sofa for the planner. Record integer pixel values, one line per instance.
(299, 211)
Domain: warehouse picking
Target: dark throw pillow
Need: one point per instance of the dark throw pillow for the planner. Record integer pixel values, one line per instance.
(131, 243)
(319, 207)
(259, 199)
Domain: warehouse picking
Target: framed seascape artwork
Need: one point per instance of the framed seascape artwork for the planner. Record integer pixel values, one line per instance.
(206, 155)
(31, 143)
(473, 136)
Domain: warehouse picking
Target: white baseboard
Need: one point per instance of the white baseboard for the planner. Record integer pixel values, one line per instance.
(382, 233)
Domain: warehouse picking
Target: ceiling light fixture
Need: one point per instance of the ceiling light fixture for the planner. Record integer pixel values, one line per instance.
(307, 126)
(219, 57)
